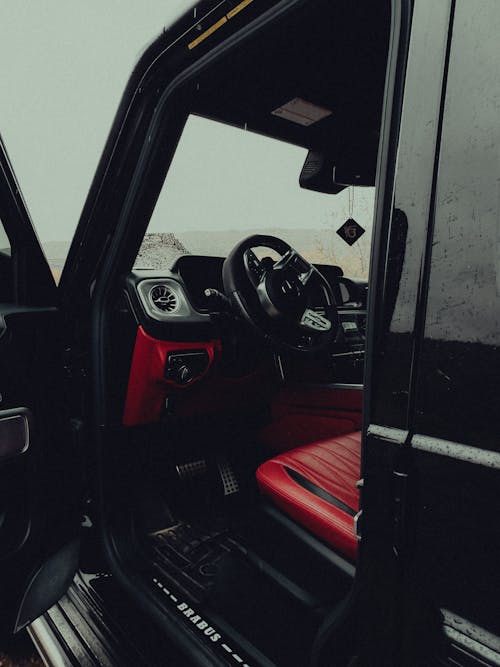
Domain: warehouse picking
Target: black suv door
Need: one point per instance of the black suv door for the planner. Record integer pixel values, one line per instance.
(39, 488)
(456, 402)
(432, 466)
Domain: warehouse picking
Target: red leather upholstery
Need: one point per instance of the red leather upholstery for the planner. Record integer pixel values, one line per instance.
(147, 385)
(332, 466)
(301, 415)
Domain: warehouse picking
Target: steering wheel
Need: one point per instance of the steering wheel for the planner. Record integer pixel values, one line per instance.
(281, 300)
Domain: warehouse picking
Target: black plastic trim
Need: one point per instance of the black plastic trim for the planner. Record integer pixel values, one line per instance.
(195, 327)
(422, 297)
(15, 432)
(318, 491)
(312, 542)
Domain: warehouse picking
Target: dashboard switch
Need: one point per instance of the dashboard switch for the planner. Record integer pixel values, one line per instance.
(184, 374)
(183, 367)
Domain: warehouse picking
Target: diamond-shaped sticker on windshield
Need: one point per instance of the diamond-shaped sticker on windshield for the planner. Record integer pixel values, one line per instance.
(350, 231)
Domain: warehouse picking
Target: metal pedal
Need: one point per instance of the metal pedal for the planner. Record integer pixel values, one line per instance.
(191, 469)
(229, 480)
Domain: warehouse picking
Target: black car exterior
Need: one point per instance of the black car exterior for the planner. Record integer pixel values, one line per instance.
(427, 581)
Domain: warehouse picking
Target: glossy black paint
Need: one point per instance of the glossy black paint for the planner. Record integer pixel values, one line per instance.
(457, 398)
(458, 395)
(455, 563)
(434, 368)
(400, 274)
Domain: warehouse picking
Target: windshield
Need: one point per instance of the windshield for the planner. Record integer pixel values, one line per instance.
(225, 184)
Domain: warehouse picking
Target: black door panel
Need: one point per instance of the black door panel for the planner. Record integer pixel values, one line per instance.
(15, 436)
(38, 477)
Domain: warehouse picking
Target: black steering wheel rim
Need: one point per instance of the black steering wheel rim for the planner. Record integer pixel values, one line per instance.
(271, 314)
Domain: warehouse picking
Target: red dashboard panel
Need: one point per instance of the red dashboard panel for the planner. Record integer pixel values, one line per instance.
(148, 387)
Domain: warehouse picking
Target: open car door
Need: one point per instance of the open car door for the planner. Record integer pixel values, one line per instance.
(39, 474)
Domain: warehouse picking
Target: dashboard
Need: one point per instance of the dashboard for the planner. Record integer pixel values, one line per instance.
(199, 273)
(173, 305)
(181, 336)
(180, 292)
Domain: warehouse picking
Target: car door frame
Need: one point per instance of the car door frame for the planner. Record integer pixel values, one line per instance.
(121, 170)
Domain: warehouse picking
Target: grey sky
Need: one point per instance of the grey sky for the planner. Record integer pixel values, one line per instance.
(64, 65)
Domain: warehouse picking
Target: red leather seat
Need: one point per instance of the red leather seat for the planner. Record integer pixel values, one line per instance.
(316, 486)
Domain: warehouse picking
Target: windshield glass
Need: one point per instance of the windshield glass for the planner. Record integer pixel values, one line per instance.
(225, 184)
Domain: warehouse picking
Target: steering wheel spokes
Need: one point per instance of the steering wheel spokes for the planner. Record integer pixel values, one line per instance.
(281, 299)
(254, 267)
(295, 262)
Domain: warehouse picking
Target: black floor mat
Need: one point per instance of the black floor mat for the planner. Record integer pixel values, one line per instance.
(209, 565)
(237, 569)
(279, 626)
(191, 556)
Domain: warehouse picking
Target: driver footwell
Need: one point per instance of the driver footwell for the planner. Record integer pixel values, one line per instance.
(248, 574)
(209, 566)
(249, 581)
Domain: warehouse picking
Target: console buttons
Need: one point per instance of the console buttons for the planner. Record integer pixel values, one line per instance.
(183, 367)
(184, 374)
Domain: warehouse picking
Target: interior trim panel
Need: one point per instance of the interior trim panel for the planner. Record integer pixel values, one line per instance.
(153, 374)
(178, 306)
(14, 432)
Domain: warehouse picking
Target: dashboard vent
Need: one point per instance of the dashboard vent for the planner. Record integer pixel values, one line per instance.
(164, 299)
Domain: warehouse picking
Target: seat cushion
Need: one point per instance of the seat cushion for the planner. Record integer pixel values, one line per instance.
(316, 486)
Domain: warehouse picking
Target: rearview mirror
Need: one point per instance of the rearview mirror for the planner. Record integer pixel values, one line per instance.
(322, 173)
(318, 174)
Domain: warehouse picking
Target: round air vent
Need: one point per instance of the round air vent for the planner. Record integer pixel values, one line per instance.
(164, 299)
